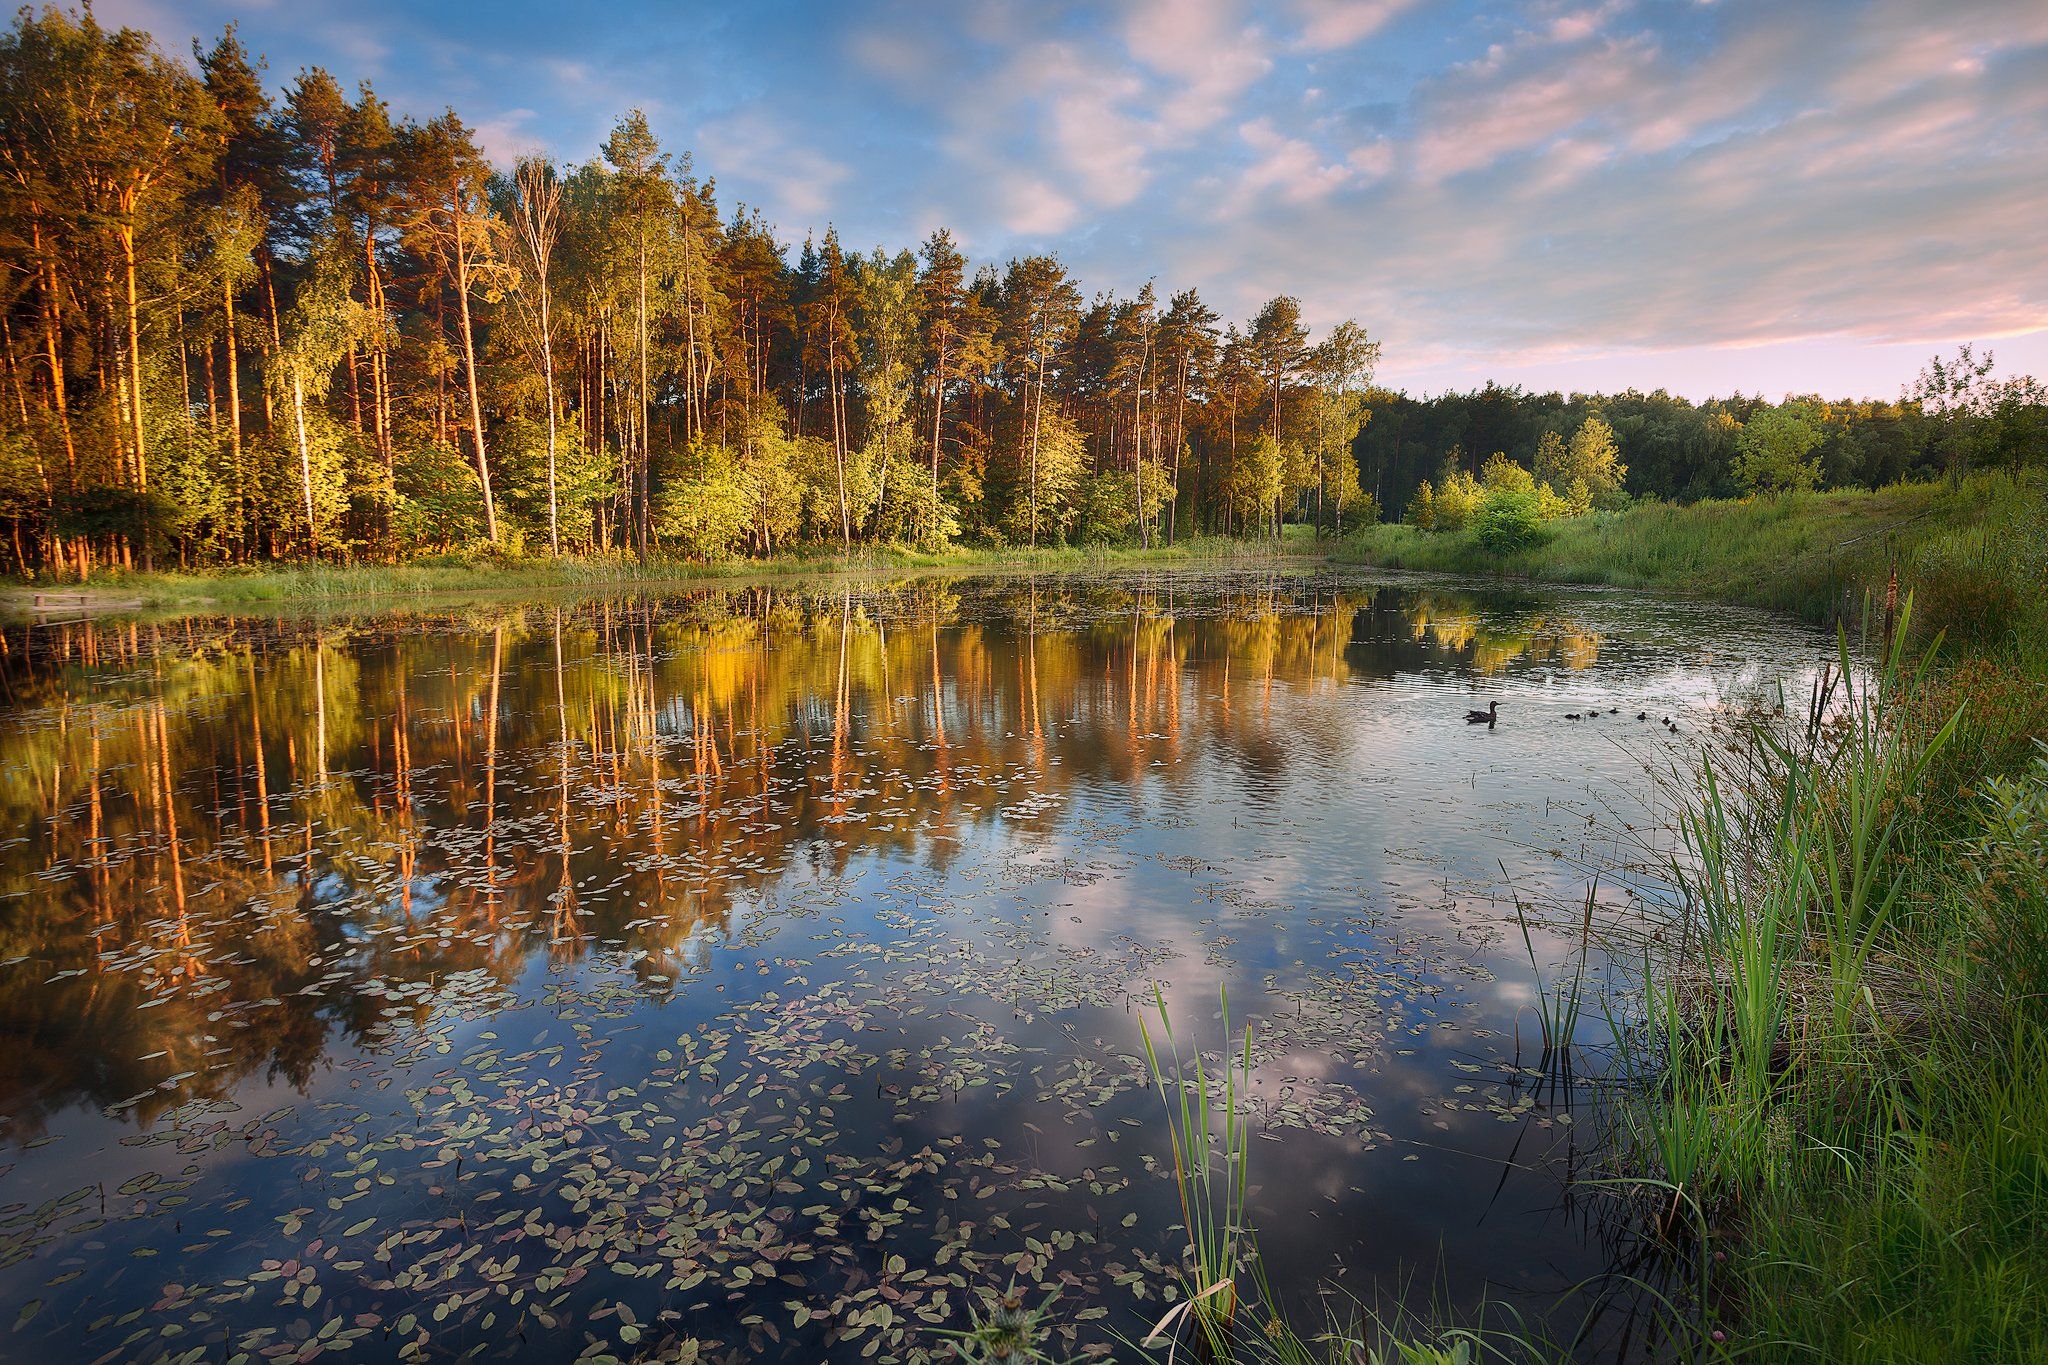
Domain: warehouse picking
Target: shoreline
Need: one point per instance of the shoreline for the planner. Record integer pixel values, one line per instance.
(298, 587)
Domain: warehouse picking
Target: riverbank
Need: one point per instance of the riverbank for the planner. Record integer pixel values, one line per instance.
(1972, 554)
(1841, 1130)
(457, 575)
(1841, 1125)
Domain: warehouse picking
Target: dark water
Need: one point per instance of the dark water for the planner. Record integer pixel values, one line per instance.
(762, 968)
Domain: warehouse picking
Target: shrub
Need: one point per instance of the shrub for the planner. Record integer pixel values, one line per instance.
(1510, 520)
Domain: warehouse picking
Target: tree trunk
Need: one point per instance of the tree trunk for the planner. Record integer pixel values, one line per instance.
(135, 382)
(547, 360)
(305, 462)
(646, 453)
(938, 417)
(476, 405)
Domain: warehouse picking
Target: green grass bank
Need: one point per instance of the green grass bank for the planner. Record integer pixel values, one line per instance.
(1837, 1121)
(1972, 554)
(476, 574)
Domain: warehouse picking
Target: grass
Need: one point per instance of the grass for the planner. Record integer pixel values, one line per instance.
(1848, 1062)
(325, 584)
(1972, 553)
(1209, 1124)
(1841, 1071)
(1560, 1002)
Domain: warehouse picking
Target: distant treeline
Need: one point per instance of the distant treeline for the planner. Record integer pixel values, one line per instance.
(1680, 450)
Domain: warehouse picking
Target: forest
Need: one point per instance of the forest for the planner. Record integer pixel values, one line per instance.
(243, 329)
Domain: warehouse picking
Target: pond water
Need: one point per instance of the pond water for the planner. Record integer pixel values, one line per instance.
(762, 967)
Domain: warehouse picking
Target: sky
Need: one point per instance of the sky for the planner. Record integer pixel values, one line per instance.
(1699, 195)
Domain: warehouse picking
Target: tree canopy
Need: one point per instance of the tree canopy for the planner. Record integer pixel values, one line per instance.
(241, 325)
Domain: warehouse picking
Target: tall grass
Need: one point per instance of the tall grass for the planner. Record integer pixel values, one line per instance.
(1560, 1002)
(1975, 554)
(1209, 1126)
(1847, 1059)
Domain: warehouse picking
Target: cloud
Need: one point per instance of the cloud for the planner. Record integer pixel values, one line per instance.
(791, 181)
(1207, 53)
(1329, 24)
(1540, 184)
(1503, 105)
(507, 137)
(1286, 168)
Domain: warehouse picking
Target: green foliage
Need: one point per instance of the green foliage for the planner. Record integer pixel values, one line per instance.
(2015, 432)
(1421, 512)
(584, 479)
(1587, 471)
(1777, 450)
(436, 504)
(1047, 492)
(2006, 862)
(1510, 521)
(708, 509)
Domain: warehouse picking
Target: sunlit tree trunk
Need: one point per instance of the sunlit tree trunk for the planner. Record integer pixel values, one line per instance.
(476, 405)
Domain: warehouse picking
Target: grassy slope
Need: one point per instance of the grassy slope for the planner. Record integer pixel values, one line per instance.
(1972, 554)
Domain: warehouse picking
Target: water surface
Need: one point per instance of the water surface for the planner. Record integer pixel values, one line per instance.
(761, 968)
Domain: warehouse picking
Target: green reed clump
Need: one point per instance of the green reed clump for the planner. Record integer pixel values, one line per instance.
(1560, 1002)
(1208, 1122)
(1847, 1063)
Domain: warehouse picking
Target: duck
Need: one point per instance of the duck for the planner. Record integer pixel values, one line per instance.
(1489, 716)
(1642, 715)
(1571, 715)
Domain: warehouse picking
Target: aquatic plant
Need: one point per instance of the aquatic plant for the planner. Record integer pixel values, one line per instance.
(1006, 1330)
(1559, 1003)
(1208, 1125)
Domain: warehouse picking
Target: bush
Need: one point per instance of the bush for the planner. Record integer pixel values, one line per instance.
(1510, 521)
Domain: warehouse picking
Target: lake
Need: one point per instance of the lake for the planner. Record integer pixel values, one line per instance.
(758, 971)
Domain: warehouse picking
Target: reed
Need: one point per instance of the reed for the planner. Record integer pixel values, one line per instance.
(1560, 1003)
(1844, 1065)
(1227, 1312)
(1208, 1124)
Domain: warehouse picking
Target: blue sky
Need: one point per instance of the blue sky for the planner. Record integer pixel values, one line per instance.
(1779, 196)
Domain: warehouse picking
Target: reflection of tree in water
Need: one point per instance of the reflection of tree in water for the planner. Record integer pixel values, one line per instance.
(1491, 638)
(236, 839)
